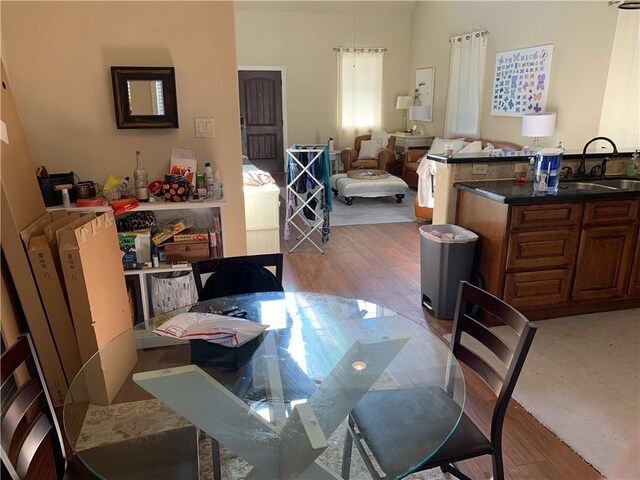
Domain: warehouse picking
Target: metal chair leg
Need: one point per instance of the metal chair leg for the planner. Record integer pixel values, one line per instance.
(215, 459)
(346, 452)
(498, 466)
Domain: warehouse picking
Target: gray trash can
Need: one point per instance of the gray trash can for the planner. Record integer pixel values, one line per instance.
(446, 258)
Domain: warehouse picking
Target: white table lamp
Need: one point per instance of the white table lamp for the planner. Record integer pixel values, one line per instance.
(403, 102)
(537, 125)
(418, 113)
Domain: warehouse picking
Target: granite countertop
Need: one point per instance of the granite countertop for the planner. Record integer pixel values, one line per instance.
(516, 193)
(509, 156)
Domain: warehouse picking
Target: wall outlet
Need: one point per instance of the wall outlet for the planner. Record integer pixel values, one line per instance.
(480, 169)
(521, 167)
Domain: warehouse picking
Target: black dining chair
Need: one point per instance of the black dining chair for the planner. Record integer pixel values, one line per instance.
(30, 432)
(234, 276)
(393, 450)
(237, 275)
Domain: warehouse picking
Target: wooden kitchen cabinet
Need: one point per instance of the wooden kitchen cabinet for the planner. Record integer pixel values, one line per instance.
(634, 280)
(555, 259)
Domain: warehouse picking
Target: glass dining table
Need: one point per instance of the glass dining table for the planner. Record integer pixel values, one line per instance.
(272, 408)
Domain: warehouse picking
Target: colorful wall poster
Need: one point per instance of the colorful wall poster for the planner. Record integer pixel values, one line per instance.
(521, 81)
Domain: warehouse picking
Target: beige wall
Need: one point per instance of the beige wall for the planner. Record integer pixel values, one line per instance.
(301, 36)
(581, 32)
(58, 55)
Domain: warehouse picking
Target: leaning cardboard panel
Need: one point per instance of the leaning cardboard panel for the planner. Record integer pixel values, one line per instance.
(45, 264)
(22, 204)
(94, 277)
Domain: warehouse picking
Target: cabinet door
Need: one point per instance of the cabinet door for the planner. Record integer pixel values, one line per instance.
(604, 261)
(536, 289)
(538, 217)
(634, 281)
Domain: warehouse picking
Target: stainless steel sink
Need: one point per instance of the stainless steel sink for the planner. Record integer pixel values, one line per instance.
(587, 186)
(620, 183)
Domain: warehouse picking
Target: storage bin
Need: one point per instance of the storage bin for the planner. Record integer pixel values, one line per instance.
(172, 290)
(53, 197)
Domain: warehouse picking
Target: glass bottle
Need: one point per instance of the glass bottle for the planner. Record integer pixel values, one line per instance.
(141, 180)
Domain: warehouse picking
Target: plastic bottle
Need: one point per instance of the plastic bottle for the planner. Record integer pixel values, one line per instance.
(201, 184)
(331, 144)
(531, 169)
(218, 192)
(141, 181)
(208, 177)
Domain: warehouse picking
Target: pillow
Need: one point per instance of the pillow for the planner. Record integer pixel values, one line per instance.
(381, 136)
(369, 149)
(473, 147)
(438, 145)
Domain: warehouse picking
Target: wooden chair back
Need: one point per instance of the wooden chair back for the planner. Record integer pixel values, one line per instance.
(28, 416)
(511, 358)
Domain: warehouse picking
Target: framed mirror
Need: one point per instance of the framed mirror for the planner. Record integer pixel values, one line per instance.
(145, 97)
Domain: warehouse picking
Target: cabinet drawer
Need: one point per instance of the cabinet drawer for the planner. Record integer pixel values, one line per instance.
(537, 289)
(610, 212)
(552, 248)
(545, 216)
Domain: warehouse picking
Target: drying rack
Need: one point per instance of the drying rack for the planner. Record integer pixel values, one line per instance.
(310, 198)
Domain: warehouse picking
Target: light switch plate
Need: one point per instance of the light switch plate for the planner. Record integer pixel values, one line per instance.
(205, 127)
(480, 168)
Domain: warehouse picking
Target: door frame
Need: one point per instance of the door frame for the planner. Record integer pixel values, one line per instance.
(283, 76)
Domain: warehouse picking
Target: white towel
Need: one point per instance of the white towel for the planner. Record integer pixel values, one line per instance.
(382, 137)
(426, 182)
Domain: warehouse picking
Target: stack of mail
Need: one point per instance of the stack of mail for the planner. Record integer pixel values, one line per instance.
(219, 329)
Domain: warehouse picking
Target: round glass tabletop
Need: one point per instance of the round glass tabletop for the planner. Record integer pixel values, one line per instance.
(152, 406)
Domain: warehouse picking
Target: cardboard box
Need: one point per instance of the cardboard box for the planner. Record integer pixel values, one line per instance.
(190, 252)
(91, 262)
(45, 264)
(192, 235)
(22, 205)
(169, 229)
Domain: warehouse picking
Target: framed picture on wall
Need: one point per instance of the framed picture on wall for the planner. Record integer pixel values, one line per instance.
(521, 81)
(423, 94)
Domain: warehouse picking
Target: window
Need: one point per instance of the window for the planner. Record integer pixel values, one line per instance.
(359, 91)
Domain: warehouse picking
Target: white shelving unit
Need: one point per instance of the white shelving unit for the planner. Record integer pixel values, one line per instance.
(202, 212)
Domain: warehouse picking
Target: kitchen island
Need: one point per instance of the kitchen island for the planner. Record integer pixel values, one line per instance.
(550, 255)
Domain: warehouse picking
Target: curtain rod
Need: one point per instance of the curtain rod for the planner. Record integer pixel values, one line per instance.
(467, 36)
(360, 49)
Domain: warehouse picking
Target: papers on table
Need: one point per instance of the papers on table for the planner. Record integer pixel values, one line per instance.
(219, 329)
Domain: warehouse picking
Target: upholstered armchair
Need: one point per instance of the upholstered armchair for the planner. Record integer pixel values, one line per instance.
(385, 160)
(411, 158)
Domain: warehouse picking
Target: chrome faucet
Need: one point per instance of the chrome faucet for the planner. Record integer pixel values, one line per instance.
(582, 169)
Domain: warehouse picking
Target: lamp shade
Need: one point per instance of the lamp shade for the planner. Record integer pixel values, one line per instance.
(538, 124)
(404, 102)
(419, 112)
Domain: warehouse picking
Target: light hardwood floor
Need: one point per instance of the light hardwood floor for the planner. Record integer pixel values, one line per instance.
(381, 264)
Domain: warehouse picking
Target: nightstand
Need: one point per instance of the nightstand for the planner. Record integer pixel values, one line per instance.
(406, 141)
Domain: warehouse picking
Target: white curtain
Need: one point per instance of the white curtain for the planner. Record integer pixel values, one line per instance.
(466, 80)
(620, 116)
(359, 92)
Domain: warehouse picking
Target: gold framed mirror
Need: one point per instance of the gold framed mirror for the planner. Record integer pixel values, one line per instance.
(145, 97)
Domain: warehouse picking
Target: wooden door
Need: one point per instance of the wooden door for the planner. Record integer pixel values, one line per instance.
(261, 118)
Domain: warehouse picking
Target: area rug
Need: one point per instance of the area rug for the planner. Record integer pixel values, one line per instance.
(366, 211)
(135, 419)
(581, 380)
